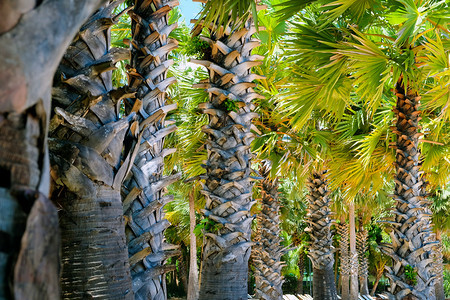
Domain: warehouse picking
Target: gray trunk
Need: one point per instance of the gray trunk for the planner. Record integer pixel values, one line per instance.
(439, 269)
(144, 189)
(268, 251)
(321, 248)
(412, 238)
(193, 287)
(86, 153)
(33, 38)
(362, 248)
(345, 259)
(323, 284)
(228, 186)
(354, 291)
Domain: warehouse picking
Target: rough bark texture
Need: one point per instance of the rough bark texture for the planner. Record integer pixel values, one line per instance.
(33, 38)
(363, 267)
(228, 186)
(321, 248)
(412, 238)
(439, 270)
(268, 251)
(354, 290)
(144, 189)
(193, 287)
(86, 138)
(301, 271)
(343, 231)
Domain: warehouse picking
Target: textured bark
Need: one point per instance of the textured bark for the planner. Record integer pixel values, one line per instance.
(193, 287)
(375, 284)
(321, 248)
(144, 189)
(34, 38)
(301, 270)
(268, 251)
(412, 238)
(439, 269)
(354, 291)
(363, 266)
(343, 231)
(88, 167)
(228, 186)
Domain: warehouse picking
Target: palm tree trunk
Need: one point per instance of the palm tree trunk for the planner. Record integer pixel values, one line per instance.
(86, 154)
(193, 287)
(268, 252)
(362, 248)
(439, 269)
(31, 48)
(354, 290)
(321, 248)
(301, 271)
(144, 189)
(412, 239)
(375, 285)
(345, 259)
(228, 186)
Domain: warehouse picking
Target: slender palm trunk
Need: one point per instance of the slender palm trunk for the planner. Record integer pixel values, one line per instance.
(144, 189)
(33, 38)
(412, 238)
(375, 284)
(228, 186)
(321, 248)
(268, 252)
(362, 248)
(86, 155)
(354, 291)
(345, 259)
(439, 269)
(301, 270)
(193, 287)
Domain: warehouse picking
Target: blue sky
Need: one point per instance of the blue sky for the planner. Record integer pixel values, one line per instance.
(189, 10)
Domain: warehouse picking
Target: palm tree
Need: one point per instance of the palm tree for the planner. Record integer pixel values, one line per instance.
(268, 250)
(321, 249)
(363, 266)
(412, 240)
(143, 191)
(344, 275)
(89, 164)
(228, 184)
(33, 36)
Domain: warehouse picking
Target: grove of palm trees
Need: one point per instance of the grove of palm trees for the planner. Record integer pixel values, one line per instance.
(225, 149)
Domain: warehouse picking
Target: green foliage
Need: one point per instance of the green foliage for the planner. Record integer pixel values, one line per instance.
(411, 274)
(447, 283)
(195, 47)
(230, 105)
(208, 226)
(224, 13)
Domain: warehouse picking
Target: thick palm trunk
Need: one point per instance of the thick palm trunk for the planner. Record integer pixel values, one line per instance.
(321, 248)
(268, 251)
(144, 189)
(412, 239)
(193, 287)
(33, 38)
(363, 271)
(343, 230)
(86, 156)
(228, 186)
(354, 291)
